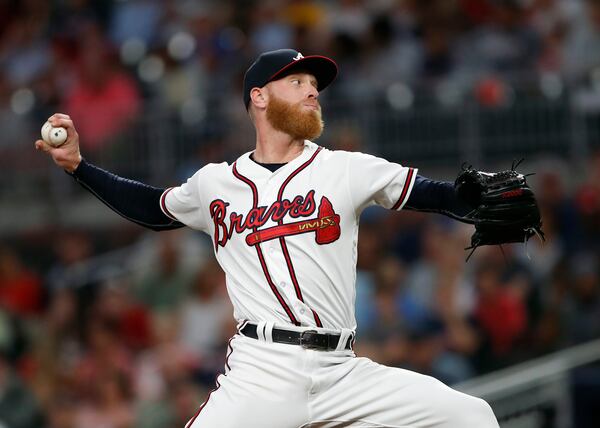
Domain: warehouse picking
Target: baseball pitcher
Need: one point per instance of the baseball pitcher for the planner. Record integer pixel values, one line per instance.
(284, 225)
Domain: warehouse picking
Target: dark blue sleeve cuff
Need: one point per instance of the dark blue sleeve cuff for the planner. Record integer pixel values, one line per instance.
(439, 197)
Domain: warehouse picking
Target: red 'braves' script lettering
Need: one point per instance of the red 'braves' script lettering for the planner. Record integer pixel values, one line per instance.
(298, 207)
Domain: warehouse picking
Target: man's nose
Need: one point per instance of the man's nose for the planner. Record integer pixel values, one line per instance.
(313, 92)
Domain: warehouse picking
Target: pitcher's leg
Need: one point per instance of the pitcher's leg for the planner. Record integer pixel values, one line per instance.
(365, 393)
(224, 409)
(260, 388)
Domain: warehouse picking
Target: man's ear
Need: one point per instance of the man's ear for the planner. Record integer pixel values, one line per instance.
(258, 97)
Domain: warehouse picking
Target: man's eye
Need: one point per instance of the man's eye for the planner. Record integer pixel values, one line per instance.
(295, 81)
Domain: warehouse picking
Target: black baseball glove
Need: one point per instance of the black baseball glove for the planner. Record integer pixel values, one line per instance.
(505, 209)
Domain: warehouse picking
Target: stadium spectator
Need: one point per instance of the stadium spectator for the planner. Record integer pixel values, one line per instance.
(588, 203)
(165, 285)
(20, 289)
(580, 310)
(110, 404)
(18, 406)
(498, 299)
(207, 316)
(104, 99)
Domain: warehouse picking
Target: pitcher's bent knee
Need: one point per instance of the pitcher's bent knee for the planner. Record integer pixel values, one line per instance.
(455, 409)
(475, 413)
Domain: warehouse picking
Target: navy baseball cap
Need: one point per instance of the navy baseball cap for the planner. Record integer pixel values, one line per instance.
(274, 65)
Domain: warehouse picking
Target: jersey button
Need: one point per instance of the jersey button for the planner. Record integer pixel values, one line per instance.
(283, 284)
(271, 250)
(302, 311)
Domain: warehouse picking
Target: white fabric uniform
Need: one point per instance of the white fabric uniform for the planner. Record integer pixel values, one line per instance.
(287, 241)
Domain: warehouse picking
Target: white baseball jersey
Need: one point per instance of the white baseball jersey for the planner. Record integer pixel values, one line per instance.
(287, 240)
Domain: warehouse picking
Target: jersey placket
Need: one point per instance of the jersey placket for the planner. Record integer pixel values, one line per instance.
(276, 260)
(283, 244)
(273, 252)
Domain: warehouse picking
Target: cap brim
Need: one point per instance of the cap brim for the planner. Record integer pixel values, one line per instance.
(324, 69)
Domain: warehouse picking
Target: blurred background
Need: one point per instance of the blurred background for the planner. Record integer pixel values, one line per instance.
(104, 324)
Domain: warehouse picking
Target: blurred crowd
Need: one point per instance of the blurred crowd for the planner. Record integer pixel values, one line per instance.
(116, 327)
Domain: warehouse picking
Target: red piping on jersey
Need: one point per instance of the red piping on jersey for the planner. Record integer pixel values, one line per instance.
(259, 251)
(230, 351)
(286, 253)
(163, 204)
(407, 182)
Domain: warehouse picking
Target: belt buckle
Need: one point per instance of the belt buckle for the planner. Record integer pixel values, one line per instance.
(306, 336)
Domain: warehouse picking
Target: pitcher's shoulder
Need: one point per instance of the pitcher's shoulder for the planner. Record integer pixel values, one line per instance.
(211, 170)
(333, 155)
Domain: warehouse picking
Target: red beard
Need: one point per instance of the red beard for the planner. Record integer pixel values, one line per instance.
(290, 119)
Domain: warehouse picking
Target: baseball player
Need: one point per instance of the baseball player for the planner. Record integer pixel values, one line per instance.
(284, 226)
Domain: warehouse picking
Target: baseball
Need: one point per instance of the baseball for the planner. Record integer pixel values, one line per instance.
(53, 136)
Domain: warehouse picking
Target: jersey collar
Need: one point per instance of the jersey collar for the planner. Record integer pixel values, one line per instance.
(248, 167)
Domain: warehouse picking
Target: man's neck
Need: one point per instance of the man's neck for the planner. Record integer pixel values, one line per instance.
(276, 147)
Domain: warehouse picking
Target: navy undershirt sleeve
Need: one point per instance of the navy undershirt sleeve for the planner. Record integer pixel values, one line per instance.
(137, 202)
(439, 197)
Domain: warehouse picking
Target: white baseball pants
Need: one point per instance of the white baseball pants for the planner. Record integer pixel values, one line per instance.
(273, 385)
